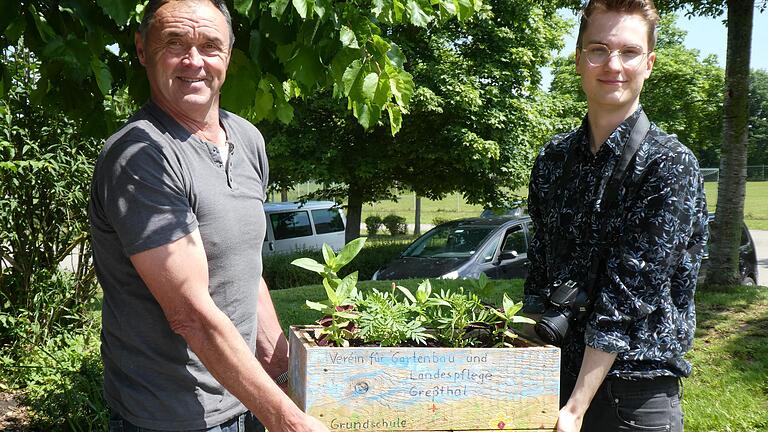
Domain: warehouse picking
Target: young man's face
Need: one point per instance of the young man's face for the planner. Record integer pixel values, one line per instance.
(616, 83)
(186, 53)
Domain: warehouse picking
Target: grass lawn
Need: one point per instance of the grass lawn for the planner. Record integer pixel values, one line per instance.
(755, 206)
(728, 390)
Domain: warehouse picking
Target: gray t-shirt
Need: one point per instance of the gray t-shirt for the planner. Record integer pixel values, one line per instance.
(154, 183)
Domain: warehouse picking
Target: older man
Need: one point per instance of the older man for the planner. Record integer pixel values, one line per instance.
(190, 338)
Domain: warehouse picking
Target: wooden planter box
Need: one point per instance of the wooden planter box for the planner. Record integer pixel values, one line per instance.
(425, 389)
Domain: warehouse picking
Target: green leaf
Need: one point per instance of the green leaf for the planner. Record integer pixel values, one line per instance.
(301, 7)
(424, 291)
(407, 293)
(395, 55)
(277, 7)
(321, 7)
(519, 319)
(243, 6)
(328, 255)
(119, 10)
(46, 32)
(239, 90)
(345, 315)
(346, 287)
(401, 85)
(395, 118)
(507, 304)
(464, 8)
(330, 292)
(348, 38)
(264, 103)
(370, 82)
(367, 114)
(102, 75)
(350, 76)
(380, 5)
(305, 67)
(418, 17)
(317, 306)
(284, 112)
(350, 251)
(309, 264)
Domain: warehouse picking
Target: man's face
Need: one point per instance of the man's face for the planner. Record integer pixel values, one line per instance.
(615, 85)
(186, 53)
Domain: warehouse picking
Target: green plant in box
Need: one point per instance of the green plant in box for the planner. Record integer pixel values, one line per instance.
(400, 317)
(340, 321)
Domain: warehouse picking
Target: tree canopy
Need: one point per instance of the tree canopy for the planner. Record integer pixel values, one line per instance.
(476, 116)
(283, 49)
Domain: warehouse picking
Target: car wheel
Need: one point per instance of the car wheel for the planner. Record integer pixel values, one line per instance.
(747, 281)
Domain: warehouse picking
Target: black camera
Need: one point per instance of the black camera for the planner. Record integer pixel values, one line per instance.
(568, 302)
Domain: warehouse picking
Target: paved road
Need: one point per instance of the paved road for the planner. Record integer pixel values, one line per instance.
(761, 244)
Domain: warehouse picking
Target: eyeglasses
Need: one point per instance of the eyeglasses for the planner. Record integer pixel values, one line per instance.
(598, 55)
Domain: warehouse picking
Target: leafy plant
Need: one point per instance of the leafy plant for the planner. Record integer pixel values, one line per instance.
(373, 224)
(505, 319)
(339, 324)
(401, 317)
(386, 319)
(395, 224)
(438, 220)
(46, 164)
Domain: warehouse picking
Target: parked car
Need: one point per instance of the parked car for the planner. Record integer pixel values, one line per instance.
(464, 248)
(747, 257)
(294, 225)
(467, 247)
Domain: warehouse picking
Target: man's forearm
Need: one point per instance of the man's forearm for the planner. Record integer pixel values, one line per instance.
(271, 344)
(225, 354)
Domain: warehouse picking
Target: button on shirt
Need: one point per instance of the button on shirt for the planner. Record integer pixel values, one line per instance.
(655, 230)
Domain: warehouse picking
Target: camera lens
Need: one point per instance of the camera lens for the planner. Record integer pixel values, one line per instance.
(553, 326)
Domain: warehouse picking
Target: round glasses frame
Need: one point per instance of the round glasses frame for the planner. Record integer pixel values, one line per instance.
(599, 55)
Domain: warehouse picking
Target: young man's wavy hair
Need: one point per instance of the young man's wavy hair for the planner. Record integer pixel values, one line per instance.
(642, 8)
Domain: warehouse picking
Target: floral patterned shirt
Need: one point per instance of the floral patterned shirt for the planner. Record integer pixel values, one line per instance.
(643, 301)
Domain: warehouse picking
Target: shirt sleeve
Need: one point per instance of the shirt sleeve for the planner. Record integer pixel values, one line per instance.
(657, 228)
(535, 297)
(142, 196)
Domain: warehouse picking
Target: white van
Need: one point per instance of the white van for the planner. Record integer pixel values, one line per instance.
(293, 225)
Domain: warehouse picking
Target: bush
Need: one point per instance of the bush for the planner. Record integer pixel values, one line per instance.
(280, 274)
(60, 378)
(437, 220)
(45, 171)
(395, 224)
(373, 224)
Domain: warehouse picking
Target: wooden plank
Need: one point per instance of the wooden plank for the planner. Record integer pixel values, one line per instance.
(436, 389)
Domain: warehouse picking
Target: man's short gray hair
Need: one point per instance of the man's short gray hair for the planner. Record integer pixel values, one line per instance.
(154, 5)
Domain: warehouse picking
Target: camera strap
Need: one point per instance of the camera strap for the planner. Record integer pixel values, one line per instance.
(611, 191)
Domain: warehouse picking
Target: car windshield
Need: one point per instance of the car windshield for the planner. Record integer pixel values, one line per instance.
(449, 241)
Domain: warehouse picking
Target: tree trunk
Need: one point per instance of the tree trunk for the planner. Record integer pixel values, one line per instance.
(417, 222)
(726, 232)
(283, 194)
(354, 214)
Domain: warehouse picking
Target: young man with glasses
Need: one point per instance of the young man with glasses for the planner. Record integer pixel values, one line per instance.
(625, 218)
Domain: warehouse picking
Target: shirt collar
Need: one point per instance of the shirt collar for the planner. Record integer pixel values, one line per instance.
(618, 138)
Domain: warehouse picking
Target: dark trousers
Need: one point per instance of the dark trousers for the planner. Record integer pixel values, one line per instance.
(624, 405)
(245, 422)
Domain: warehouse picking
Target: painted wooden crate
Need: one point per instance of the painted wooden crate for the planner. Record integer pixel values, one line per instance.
(425, 389)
